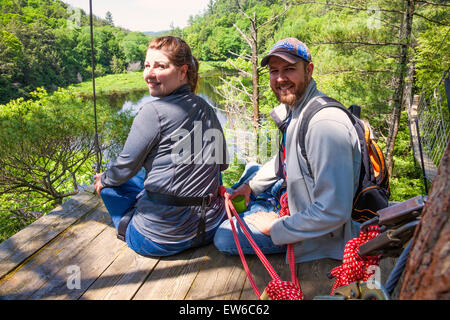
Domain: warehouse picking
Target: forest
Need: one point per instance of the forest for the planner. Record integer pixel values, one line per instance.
(47, 44)
(374, 54)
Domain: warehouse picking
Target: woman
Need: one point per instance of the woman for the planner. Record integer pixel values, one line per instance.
(172, 204)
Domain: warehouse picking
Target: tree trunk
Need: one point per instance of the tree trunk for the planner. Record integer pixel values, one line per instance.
(399, 85)
(252, 41)
(427, 272)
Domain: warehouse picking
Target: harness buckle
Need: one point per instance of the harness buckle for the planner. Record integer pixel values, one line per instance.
(359, 290)
(206, 201)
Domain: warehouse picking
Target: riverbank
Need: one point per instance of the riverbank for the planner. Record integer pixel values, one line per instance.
(130, 81)
(111, 84)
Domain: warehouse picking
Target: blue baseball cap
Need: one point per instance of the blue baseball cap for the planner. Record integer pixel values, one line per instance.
(289, 49)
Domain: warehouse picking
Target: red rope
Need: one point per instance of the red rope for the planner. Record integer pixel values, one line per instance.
(276, 289)
(355, 268)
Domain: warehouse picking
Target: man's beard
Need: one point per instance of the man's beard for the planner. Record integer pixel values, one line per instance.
(290, 98)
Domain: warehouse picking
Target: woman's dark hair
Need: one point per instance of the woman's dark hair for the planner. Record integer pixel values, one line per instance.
(179, 53)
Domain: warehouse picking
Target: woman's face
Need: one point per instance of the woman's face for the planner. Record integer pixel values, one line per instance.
(161, 75)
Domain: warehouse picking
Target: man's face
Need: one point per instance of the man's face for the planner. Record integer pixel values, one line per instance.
(289, 81)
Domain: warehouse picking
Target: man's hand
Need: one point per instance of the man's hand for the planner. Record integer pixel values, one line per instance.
(98, 183)
(262, 220)
(243, 190)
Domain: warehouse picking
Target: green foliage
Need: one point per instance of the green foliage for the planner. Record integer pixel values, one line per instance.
(117, 65)
(11, 223)
(39, 48)
(111, 84)
(134, 45)
(46, 147)
(47, 150)
(433, 56)
(354, 55)
(406, 179)
(232, 174)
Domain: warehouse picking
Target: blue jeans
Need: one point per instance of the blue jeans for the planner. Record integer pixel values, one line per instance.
(119, 200)
(266, 201)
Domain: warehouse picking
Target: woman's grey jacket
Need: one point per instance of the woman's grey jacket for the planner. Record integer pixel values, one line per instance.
(179, 141)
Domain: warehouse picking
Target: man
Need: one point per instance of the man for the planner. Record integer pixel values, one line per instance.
(320, 205)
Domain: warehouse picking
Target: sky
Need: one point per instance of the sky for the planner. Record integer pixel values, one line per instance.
(144, 15)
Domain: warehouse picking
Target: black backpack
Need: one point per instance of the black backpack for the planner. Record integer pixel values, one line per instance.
(373, 188)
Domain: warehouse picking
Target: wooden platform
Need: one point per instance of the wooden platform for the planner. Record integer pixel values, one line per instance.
(73, 253)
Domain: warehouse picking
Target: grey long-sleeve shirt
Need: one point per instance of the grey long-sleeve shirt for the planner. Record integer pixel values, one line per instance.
(180, 143)
(320, 221)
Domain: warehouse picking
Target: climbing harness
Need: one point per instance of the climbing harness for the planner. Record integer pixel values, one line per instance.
(397, 224)
(383, 236)
(276, 289)
(177, 201)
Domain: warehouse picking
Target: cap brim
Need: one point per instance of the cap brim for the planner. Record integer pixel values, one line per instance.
(283, 55)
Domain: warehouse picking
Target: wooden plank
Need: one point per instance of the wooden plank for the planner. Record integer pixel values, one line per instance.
(28, 277)
(261, 276)
(89, 264)
(173, 276)
(221, 277)
(313, 278)
(26, 242)
(123, 277)
(312, 275)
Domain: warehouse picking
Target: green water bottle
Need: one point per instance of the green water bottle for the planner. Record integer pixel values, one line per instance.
(239, 203)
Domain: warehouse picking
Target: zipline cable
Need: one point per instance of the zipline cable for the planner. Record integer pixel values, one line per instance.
(97, 146)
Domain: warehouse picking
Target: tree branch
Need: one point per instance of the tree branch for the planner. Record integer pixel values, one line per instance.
(246, 73)
(275, 17)
(361, 43)
(431, 20)
(236, 88)
(243, 35)
(345, 6)
(434, 3)
(354, 70)
(245, 57)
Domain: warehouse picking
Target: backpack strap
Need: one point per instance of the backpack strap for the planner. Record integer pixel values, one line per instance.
(355, 110)
(312, 108)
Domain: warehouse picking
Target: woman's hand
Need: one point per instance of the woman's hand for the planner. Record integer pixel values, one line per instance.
(243, 190)
(98, 183)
